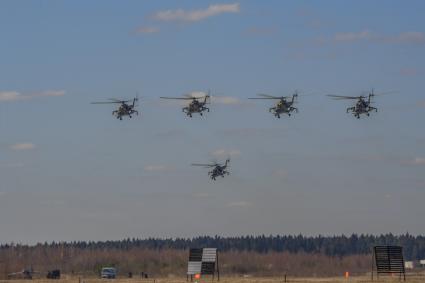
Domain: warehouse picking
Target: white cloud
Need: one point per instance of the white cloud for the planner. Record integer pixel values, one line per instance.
(22, 146)
(11, 96)
(154, 168)
(228, 100)
(224, 153)
(409, 72)
(196, 15)
(411, 37)
(418, 161)
(17, 96)
(353, 36)
(147, 30)
(239, 204)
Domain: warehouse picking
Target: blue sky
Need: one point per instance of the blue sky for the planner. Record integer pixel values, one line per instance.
(70, 171)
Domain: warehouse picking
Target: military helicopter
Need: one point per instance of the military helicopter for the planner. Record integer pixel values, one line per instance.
(283, 106)
(124, 109)
(26, 273)
(363, 104)
(197, 105)
(219, 169)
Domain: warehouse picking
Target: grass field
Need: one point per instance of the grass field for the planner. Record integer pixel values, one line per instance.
(417, 278)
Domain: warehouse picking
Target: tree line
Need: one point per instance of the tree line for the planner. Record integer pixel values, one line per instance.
(339, 246)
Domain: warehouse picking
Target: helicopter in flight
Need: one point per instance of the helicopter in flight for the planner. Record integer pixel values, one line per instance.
(125, 108)
(218, 169)
(363, 104)
(196, 105)
(283, 106)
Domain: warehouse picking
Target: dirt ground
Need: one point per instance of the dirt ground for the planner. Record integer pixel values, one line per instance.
(416, 278)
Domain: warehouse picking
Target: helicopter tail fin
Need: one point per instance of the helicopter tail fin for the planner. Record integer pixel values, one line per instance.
(294, 96)
(135, 99)
(371, 94)
(207, 97)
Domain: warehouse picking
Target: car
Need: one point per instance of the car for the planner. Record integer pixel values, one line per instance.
(108, 273)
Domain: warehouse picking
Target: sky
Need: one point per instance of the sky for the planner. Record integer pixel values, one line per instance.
(70, 171)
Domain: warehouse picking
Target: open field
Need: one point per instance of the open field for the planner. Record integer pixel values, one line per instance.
(416, 278)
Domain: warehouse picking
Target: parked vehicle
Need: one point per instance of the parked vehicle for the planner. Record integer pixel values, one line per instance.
(108, 273)
(54, 274)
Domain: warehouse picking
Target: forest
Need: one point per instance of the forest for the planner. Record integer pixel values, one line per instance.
(256, 255)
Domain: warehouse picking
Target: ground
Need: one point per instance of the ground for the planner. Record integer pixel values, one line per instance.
(410, 279)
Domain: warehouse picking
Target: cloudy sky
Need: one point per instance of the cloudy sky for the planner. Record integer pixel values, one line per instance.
(70, 171)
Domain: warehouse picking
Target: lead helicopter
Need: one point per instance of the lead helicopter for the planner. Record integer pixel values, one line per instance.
(197, 104)
(283, 106)
(125, 109)
(218, 169)
(363, 104)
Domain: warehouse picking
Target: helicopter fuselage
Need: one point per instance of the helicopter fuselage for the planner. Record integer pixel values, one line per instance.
(218, 171)
(362, 107)
(195, 106)
(124, 110)
(283, 107)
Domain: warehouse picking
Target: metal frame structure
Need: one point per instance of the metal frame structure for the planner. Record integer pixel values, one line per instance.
(203, 261)
(388, 260)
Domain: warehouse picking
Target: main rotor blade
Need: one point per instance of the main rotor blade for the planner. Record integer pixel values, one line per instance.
(263, 98)
(189, 96)
(105, 102)
(183, 98)
(119, 100)
(269, 96)
(343, 96)
(203, 165)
